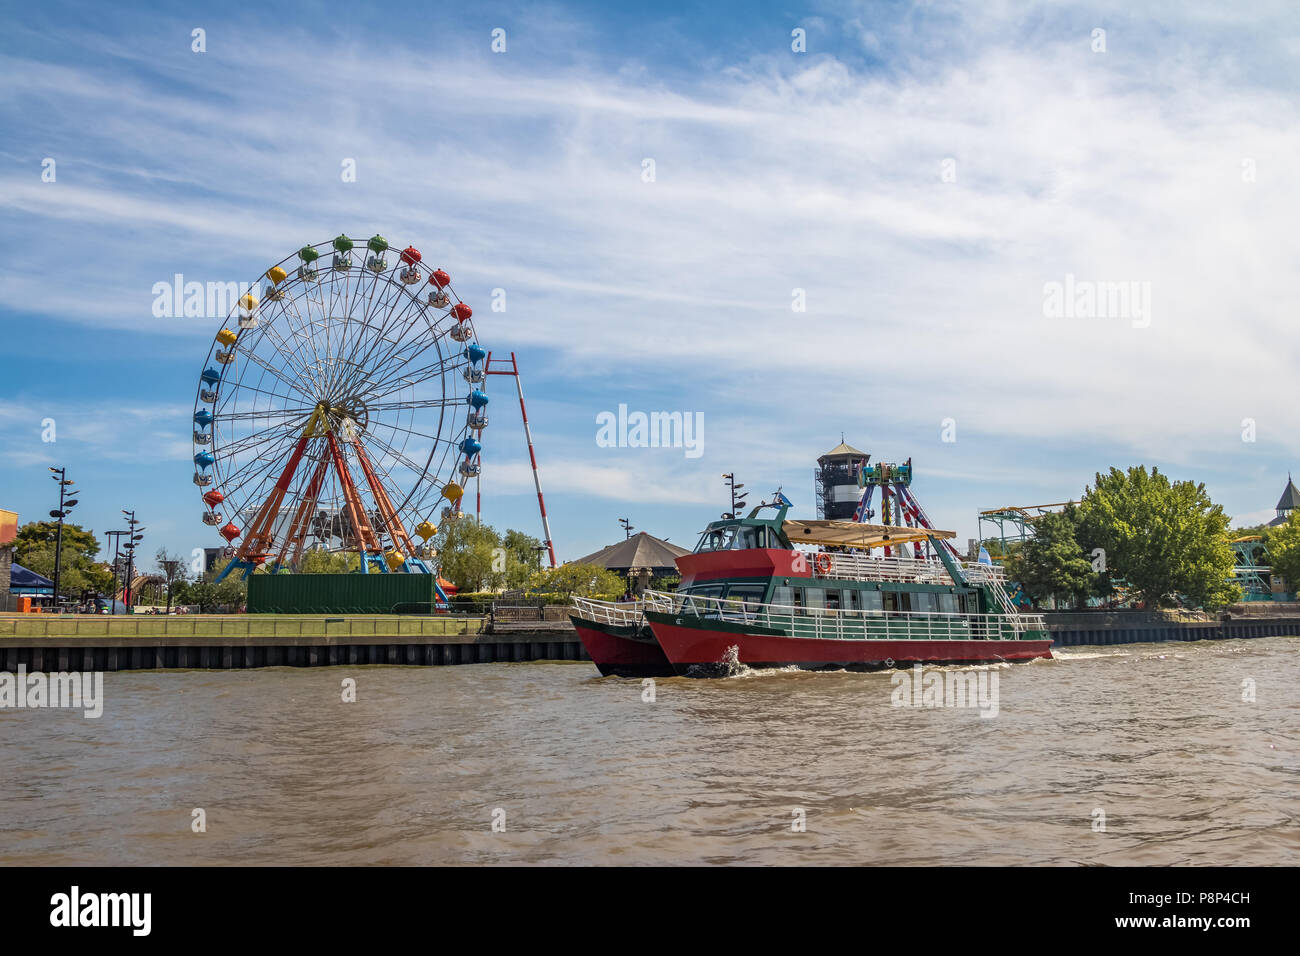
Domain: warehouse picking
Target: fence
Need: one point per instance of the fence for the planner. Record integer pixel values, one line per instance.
(524, 614)
(237, 625)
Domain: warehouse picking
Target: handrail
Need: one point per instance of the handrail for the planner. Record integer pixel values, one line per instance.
(861, 567)
(621, 613)
(852, 624)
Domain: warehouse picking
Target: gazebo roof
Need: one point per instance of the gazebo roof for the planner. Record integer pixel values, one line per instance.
(1290, 496)
(642, 550)
(844, 449)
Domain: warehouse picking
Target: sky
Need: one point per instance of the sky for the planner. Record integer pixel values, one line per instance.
(790, 221)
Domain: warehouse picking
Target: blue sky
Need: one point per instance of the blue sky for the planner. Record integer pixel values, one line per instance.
(1166, 160)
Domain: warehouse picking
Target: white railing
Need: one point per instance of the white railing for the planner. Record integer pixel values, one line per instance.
(621, 613)
(983, 573)
(855, 625)
(863, 567)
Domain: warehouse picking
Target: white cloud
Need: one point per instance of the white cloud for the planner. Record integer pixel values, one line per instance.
(925, 298)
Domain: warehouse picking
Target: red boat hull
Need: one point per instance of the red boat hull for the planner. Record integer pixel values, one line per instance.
(619, 651)
(701, 646)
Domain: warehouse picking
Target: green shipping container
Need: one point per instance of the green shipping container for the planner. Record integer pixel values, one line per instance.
(376, 593)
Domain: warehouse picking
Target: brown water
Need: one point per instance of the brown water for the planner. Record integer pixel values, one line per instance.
(1156, 736)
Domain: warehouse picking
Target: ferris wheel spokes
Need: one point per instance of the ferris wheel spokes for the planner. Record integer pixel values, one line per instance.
(321, 403)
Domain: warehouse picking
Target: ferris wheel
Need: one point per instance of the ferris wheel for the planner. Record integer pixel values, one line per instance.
(342, 410)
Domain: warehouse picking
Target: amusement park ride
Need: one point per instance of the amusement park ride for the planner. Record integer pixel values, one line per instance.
(1019, 518)
(332, 414)
(846, 475)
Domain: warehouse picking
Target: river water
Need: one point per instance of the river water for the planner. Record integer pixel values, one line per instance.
(578, 769)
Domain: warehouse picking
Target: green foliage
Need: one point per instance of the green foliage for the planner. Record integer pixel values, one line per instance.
(523, 557)
(1284, 550)
(1164, 538)
(583, 580)
(1051, 564)
(173, 570)
(1260, 530)
(228, 595)
(470, 554)
(34, 550)
(329, 562)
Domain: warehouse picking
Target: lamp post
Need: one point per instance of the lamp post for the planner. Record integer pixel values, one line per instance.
(627, 527)
(66, 504)
(133, 536)
(117, 545)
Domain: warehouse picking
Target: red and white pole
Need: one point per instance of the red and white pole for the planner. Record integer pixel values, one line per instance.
(532, 455)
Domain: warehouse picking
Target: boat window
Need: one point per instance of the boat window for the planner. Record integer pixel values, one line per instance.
(690, 598)
(798, 597)
(716, 539)
(904, 601)
(870, 600)
(783, 597)
(925, 602)
(853, 597)
(750, 593)
(832, 599)
(890, 599)
(948, 603)
(815, 597)
(747, 539)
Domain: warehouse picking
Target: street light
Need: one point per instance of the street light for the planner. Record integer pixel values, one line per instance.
(627, 527)
(133, 536)
(117, 547)
(66, 505)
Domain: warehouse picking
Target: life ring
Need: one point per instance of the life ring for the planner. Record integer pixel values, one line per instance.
(822, 563)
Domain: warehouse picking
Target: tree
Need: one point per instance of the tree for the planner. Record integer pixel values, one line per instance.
(318, 561)
(1164, 538)
(34, 550)
(173, 570)
(1284, 550)
(471, 554)
(209, 594)
(1051, 564)
(583, 580)
(523, 557)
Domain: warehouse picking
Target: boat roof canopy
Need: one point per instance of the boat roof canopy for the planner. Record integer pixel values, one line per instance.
(856, 535)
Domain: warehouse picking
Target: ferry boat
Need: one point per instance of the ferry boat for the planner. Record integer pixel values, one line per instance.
(751, 594)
